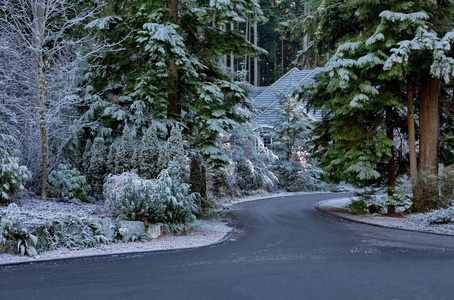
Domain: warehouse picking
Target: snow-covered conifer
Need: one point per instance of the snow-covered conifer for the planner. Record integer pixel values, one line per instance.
(149, 154)
(86, 156)
(173, 151)
(125, 152)
(111, 158)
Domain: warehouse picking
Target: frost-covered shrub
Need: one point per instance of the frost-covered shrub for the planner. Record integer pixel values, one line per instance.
(251, 176)
(66, 184)
(148, 154)
(30, 232)
(180, 203)
(166, 200)
(14, 237)
(435, 217)
(13, 176)
(133, 198)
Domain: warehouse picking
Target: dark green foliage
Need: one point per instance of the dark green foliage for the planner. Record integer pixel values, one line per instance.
(134, 79)
(198, 181)
(358, 207)
(111, 159)
(97, 169)
(447, 186)
(86, 156)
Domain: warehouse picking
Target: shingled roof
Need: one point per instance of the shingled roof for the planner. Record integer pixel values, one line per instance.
(266, 99)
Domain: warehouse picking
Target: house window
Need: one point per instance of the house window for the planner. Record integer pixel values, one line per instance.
(266, 138)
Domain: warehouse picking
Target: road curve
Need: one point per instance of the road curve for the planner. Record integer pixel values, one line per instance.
(282, 249)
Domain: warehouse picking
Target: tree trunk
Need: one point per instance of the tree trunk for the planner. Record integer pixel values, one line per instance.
(429, 125)
(39, 23)
(392, 160)
(425, 192)
(173, 106)
(232, 58)
(256, 67)
(42, 125)
(411, 133)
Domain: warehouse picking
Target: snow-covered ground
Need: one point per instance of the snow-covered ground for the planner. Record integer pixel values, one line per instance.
(201, 233)
(418, 222)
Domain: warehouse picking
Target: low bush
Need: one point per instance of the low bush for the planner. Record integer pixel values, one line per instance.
(435, 217)
(66, 184)
(13, 176)
(134, 199)
(30, 232)
(165, 200)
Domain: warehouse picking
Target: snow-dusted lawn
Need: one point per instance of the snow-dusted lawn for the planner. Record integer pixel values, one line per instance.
(202, 232)
(419, 222)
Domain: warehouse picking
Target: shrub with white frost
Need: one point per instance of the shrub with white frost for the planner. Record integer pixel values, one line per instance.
(131, 198)
(30, 232)
(162, 200)
(13, 176)
(179, 201)
(67, 183)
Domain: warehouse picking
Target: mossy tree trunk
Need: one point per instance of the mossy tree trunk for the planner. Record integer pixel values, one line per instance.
(392, 160)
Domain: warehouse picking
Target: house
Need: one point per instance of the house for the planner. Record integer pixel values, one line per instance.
(267, 104)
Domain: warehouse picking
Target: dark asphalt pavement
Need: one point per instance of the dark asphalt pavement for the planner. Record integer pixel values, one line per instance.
(284, 249)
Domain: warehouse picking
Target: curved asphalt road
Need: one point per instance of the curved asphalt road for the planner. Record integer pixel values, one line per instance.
(287, 250)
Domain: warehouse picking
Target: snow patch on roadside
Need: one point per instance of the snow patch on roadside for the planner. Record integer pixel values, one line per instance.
(417, 222)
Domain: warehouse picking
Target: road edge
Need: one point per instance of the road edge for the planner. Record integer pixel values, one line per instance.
(224, 239)
(352, 219)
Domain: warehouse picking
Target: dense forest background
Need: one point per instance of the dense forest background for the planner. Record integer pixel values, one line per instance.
(90, 89)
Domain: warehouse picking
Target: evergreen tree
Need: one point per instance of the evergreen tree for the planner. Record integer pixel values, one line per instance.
(149, 154)
(111, 159)
(125, 152)
(295, 169)
(172, 155)
(97, 169)
(292, 128)
(136, 82)
(360, 91)
(86, 156)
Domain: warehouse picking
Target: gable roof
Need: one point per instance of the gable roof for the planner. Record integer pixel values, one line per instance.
(266, 99)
